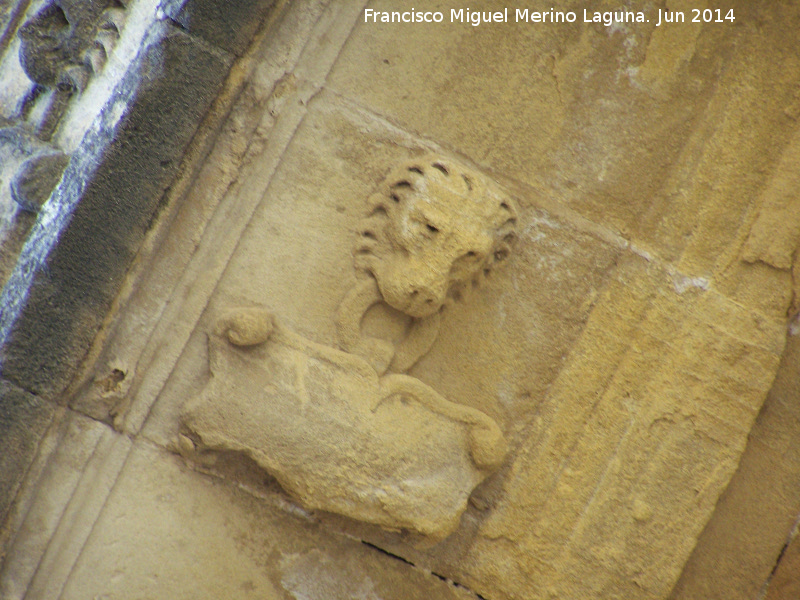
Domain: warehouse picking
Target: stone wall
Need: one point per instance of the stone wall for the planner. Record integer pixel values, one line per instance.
(99, 104)
(198, 196)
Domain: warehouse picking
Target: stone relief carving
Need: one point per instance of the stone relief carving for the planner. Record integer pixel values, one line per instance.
(347, 430)
(433, 227)
(31, 167)
(61, 47)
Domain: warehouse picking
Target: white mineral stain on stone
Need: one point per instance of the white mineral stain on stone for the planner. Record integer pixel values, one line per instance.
(541, 220)
(794, 326)
(112, 116)
(683, 283)
(641, 252)
(15, 82)
(314, 576)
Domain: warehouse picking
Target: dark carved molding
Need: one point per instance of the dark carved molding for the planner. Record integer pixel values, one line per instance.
(67, 41)
(62, 46)
(36, 165)
(78, 252)
(37, 177)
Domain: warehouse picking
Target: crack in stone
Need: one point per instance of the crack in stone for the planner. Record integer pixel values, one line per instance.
(437, 575)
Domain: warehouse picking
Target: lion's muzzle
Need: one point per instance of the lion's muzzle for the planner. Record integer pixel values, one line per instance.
(414, 288)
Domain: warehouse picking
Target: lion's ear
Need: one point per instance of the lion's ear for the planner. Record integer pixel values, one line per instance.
(502, 252)
(503, 249)
(505, 218)
(509, 207)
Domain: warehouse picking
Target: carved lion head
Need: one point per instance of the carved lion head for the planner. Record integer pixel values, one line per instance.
(433, 226)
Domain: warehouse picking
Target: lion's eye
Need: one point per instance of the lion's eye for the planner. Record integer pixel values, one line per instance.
(432, 228)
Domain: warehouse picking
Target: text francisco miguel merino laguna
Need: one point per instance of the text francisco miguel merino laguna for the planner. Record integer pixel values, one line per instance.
(608, 18)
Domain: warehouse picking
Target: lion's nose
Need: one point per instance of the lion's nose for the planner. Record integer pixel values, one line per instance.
(423, 295)
(414, 287)
(425, 299)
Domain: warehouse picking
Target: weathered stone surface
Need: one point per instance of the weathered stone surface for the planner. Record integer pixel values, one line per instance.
(571, 110)
(227, 25)
(389, 451)
(10, 12)
(59, 43)
(538, 329)
(739, 547)
(625, 348)
(63, 494)
(23, 421)
(191, 549)
(37, 178)
(644, 435)
(18, 147)
(663, 354)
(785, 583)
(20, 152)
(253, 141)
